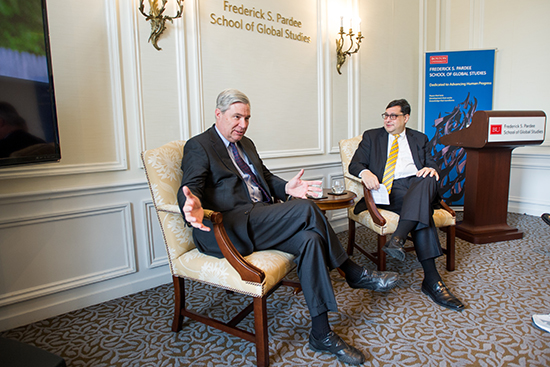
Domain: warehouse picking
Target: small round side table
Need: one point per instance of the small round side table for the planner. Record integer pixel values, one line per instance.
(334, 202)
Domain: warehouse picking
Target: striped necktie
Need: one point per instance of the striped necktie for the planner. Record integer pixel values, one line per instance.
(245, 168)
(389, 171)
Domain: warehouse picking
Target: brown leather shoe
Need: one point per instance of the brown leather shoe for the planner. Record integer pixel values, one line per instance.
(440, 294)
(333, 344)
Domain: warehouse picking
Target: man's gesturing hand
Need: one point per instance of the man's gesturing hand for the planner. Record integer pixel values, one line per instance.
(299, 188)
(193, 211)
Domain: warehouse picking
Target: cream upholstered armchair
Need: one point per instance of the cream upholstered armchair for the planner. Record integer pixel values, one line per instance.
(257, 275)
(384, 222)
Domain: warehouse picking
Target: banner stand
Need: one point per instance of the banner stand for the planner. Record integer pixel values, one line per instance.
(457, 84)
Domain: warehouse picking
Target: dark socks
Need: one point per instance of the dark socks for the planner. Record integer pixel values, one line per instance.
(404, 227)
(431, 275)
(320, 326)
(352, 270)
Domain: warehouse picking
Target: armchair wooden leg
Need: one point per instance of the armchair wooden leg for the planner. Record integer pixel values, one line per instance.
(381, 256)
(179, 302)
(261, 333)
(351, 236)
(290, 283)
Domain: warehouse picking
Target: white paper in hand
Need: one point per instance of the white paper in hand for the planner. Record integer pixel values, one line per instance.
(381, 195)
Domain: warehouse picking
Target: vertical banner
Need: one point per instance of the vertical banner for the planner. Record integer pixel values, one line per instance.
(457, 84)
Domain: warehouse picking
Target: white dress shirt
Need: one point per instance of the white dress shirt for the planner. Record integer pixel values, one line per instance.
(404, 166)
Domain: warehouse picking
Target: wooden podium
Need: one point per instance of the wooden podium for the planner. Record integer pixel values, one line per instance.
(489, 141)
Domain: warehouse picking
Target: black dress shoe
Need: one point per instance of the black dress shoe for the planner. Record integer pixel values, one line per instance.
(546, 218)
(333, 344)
(394, 248)
(375, 280)
(440, 294)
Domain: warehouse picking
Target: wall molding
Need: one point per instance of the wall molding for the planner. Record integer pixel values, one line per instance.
(135, 66)
(182, 81)
(422, 42)
(290, 152)
(18, 198)
(115, 65)
(521, 205)
(151, 220)
(294, 168)
(530, 161)
(354, 89)
(193, 50)
(322, 115)
(123, 209)
(26, 197)
(477, 18)
(57, 169)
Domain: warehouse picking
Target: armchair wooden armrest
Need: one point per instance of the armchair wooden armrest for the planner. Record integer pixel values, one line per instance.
(246, 270)
(447, 208)
(371, 207)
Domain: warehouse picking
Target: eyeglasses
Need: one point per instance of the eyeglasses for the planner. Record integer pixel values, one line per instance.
(391, 117)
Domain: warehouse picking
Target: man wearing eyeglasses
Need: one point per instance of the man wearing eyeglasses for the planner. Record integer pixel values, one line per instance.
(399, 158)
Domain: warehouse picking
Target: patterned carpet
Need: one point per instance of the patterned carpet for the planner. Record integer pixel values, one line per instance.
(502, 284)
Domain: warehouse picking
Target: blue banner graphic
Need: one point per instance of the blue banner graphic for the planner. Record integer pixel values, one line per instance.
(458, 83)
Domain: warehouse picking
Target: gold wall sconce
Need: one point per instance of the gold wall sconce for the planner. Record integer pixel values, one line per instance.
(340, 53)
(157, 19)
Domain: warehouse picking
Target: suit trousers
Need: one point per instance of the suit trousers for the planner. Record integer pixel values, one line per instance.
(413, 199)
(300, 228)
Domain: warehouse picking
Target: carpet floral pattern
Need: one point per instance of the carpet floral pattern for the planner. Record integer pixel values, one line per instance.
(502, 285)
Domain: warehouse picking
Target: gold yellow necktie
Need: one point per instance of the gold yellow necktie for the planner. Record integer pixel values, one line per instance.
(389, 171)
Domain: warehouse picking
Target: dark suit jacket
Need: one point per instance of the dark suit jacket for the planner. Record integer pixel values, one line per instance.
(210, 174)
(372, 152)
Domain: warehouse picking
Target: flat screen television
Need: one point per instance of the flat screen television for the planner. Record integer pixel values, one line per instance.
(28, 118)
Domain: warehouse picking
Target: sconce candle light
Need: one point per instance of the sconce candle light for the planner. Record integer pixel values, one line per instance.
(340, 54)
(157, 19)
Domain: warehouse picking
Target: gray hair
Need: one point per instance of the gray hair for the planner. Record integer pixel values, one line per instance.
(229, 96)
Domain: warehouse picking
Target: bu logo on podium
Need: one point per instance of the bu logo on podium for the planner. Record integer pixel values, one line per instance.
(496, 130)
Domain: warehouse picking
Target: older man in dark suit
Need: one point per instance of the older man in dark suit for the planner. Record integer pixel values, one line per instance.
(222, 171)
(399, 158)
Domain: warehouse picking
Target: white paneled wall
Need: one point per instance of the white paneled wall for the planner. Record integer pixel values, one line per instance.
(67, 249)
(84, 230)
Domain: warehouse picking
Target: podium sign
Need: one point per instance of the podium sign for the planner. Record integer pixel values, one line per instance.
(516, 128)
(489, 142)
